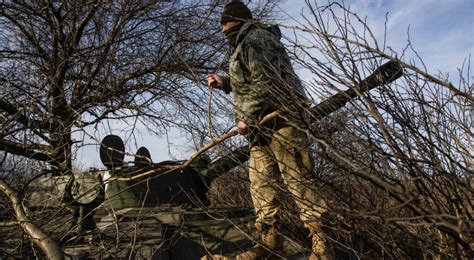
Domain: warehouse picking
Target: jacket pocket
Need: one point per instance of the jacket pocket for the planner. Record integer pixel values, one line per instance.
(236, 72)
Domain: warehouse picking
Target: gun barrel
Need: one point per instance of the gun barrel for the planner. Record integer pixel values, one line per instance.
(227, 162)
(386, 73)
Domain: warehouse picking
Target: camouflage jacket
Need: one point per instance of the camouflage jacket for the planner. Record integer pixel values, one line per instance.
(261, 76)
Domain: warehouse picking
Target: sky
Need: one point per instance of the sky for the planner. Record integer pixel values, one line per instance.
(441, 31)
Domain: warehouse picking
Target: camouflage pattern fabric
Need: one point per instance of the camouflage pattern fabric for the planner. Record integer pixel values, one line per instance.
(262, 80)
(261, 76)
(288, 156)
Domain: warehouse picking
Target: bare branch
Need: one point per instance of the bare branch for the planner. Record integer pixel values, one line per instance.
(37, 236)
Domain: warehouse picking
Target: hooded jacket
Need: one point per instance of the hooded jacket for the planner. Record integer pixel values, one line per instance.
(261, 76)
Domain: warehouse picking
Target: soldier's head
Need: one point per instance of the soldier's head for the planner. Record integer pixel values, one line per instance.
(235, 13)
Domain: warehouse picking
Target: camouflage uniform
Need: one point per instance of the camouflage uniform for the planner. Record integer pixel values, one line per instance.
(262, 80)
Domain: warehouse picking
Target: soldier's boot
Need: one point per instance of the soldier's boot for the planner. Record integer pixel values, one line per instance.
(321, 248)
(270, 246)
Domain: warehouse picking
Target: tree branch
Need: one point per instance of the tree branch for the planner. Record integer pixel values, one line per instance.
(26, 151)
(38, 236)
(21, 118)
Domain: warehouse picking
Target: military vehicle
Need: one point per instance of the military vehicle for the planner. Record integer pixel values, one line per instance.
(115, 213)
(161, 216)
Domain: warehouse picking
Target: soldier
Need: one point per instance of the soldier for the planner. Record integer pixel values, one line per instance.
(262, 80)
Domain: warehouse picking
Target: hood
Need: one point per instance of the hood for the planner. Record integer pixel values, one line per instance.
(274, 29)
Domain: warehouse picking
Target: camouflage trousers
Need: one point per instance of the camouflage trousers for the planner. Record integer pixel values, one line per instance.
(286, 155)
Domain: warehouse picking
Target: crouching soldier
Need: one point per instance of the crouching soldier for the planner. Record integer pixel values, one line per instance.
(262, 80)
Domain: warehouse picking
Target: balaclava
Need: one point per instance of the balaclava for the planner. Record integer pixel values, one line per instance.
(234, 11)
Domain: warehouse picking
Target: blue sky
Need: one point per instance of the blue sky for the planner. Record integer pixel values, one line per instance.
(441, 31)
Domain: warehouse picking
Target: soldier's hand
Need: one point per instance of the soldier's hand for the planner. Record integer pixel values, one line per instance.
(214, 81)
(242, 128)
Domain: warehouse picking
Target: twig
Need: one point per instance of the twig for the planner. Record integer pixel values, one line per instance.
(209, 118)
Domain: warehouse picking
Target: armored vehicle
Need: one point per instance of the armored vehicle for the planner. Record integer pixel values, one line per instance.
(115, 213)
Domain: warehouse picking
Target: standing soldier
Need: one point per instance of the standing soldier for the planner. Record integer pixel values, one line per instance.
(263, 81)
